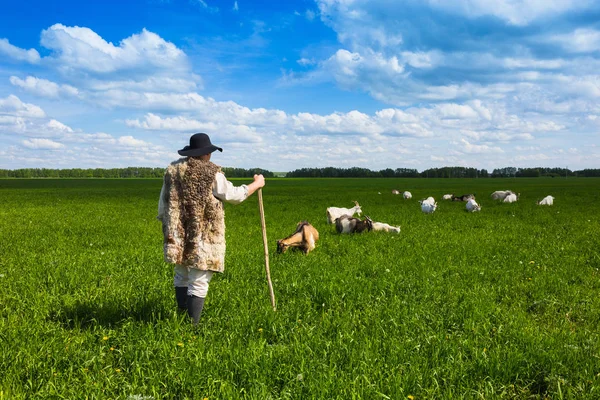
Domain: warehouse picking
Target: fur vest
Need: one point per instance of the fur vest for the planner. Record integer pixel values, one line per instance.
(194, 221)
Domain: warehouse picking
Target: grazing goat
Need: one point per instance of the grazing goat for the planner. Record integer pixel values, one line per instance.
(448, 196)
(472, 206)
(395, 191)
(407, 195)
(546, 201)
(382, 226)
(511, 198)
(501, 194)
(348, 224)
(335, 212)
(464, 197)
(428, 205)
(304, 238)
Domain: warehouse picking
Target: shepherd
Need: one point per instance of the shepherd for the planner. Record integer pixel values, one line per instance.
(191, 210)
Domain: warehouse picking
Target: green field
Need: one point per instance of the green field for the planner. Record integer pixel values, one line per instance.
(504, 303)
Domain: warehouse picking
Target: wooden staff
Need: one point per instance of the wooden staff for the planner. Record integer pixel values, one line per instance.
(264, 235)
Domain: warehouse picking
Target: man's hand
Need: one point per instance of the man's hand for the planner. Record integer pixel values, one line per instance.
(259, 181)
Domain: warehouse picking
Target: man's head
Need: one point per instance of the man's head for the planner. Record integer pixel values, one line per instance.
(200, 145)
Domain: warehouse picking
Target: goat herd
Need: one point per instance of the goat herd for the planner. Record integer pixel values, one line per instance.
(305, 236)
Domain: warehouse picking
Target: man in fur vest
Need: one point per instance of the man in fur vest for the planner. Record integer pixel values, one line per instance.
(193, 220)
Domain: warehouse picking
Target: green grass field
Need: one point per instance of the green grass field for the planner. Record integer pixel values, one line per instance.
(504, 303)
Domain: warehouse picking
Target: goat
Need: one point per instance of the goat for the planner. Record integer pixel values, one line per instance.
(546, 201)
(511, 198)
(448, 196)
(304, 239)
(428, 205)
(335, 212)
(349, 224)
(407, 195)
(501, 194)
(381, 226)
(472, 206)
(464, 197)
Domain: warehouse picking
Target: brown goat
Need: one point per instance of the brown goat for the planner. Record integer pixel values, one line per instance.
(304, 238)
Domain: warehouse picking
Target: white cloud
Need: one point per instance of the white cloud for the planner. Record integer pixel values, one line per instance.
(422, 59)
(12, 105)
(582, 40)
(306, 61)
(516, 12)
(152, 84)
(43, 87)
(455, 111)
(130, 141)
(30, 56)
(479, 149)
(57, 126)
(42, 144)
(83, 49)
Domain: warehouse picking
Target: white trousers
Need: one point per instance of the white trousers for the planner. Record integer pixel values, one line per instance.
(194, 279)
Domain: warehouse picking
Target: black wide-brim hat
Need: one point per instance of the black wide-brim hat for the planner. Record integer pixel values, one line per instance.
(199, 145)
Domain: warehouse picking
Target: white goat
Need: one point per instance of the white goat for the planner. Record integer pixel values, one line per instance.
(335, 212)
(546, 201)
(428, 205)
(472, 206)
(501, 194)
(447, 197)
(511, 198)
(407, 195)
(382, 226)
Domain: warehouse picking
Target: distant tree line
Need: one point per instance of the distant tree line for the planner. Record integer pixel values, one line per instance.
(354, 172)
(331, 172)
(537, 172)
(444, 172)
(129, 172)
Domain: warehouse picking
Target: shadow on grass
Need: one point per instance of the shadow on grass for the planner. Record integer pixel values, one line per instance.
(113, 313)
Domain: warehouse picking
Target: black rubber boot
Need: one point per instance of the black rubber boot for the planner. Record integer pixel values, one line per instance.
(181, 296)
(194, 307)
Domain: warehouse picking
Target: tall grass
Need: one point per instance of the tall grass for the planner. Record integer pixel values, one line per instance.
(498, 304)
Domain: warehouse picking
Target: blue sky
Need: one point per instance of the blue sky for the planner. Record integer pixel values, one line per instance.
(285, 85)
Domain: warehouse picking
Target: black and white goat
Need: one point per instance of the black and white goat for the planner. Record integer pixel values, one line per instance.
(464, 197)
(348, 224)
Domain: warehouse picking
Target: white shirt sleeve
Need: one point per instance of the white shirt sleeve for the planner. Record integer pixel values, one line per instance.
(225, 191)
(161, 203)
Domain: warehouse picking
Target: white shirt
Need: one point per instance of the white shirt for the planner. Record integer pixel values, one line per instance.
(222, 190)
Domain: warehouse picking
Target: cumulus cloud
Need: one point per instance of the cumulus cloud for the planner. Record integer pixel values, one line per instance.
(582, 40)
(16, 53)
(43, 87)
(12, 105)
(403, 52)
(81, 48)
(519, 12)
(479, 149)
(44, 144)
